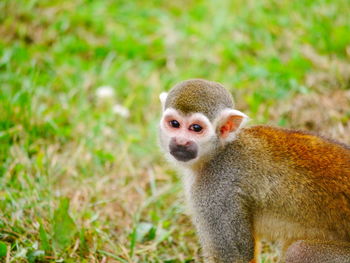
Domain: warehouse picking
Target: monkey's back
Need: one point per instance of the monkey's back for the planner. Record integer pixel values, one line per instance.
(305, 150)
(304, 182)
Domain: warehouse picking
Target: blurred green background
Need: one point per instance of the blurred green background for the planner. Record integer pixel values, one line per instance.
(81, 176)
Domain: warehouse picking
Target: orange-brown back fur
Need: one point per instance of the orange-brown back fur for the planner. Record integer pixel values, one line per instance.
(304, 185)
(306, 150)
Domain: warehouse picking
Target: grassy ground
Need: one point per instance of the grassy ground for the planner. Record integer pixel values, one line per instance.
(80, 181)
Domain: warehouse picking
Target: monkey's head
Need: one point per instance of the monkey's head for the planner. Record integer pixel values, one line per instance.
(198, 116)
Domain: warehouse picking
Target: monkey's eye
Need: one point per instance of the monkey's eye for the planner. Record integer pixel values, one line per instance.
(174, 123)
(196, 128)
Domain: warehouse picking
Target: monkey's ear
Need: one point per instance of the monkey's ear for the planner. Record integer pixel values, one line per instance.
(162, 98)
(229, 122)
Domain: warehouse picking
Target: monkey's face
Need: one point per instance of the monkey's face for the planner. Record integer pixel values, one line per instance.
(185, 138)
(197, 119)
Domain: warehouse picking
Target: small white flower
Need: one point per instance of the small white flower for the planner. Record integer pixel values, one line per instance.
(105, 92)
(121, 110)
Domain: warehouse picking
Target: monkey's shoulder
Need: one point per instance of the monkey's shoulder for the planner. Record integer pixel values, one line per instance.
(282, 136)
(301, 148)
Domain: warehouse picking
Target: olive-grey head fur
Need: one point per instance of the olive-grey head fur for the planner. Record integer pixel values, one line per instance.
(199, 95)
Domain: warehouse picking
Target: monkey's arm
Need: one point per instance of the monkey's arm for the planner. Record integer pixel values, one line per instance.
(225, 229)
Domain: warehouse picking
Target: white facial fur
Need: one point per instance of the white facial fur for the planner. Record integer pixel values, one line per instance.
(205, 140)
(183, 133)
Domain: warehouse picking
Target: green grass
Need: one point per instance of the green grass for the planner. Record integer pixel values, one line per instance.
(79, 183)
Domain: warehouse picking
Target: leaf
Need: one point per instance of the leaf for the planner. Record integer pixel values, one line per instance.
(83, 248)
(3, 249)
(44, 239)
(34, 256)
(133, 237)
(64, 227)
(141, 232)
(144, 230)
(162, 235)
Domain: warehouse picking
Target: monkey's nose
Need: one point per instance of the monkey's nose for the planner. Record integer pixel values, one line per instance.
(185, 152)
(182, 141)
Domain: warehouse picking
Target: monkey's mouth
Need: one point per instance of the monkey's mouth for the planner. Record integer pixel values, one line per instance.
(183, 155)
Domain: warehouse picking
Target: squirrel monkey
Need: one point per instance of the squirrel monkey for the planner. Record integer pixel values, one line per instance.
(244, 184)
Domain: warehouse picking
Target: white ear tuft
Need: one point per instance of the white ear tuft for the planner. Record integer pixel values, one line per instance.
(244, 120)
(162, 98)
(229, 122)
